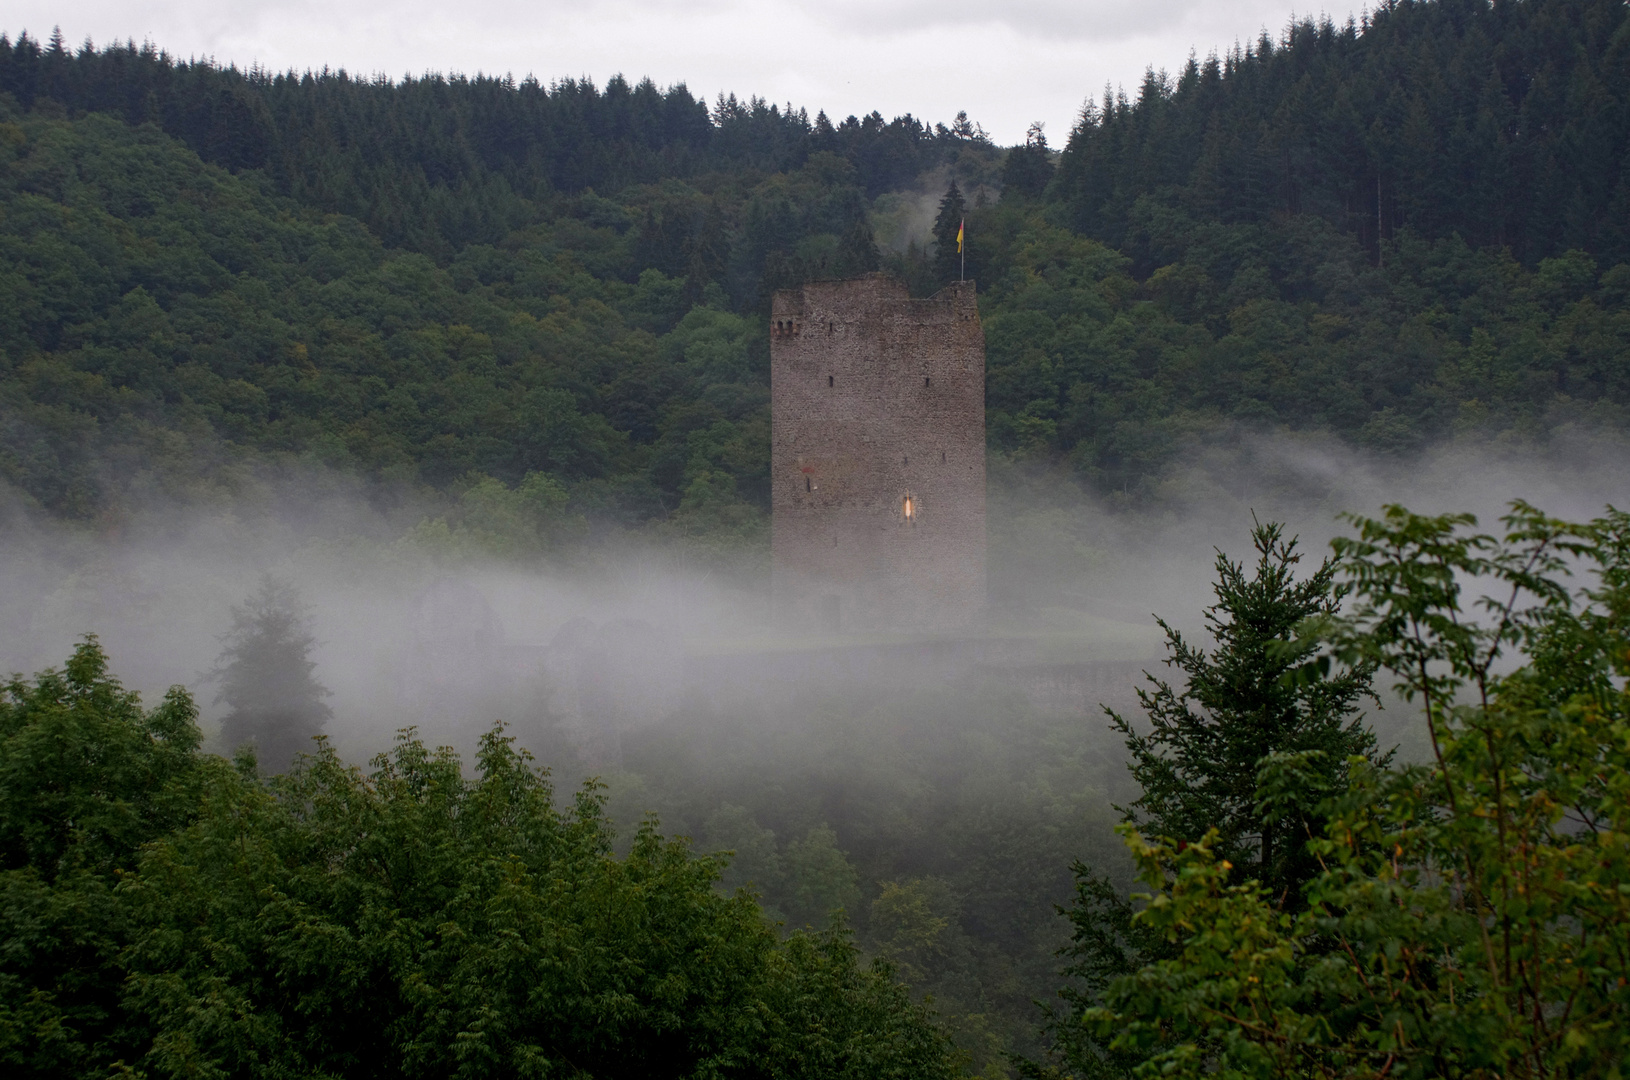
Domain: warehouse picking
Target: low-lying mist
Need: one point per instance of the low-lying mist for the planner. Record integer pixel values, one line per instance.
(412, 633)
(937, 788)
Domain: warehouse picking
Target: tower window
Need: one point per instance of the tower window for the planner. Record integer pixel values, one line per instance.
(809, 485)
(908, 508)
(829, 380)
(925, 380)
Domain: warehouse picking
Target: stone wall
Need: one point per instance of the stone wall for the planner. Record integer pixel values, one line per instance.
(877, 406)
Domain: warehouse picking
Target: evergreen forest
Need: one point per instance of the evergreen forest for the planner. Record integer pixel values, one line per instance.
(1398, 232)
(524, 325)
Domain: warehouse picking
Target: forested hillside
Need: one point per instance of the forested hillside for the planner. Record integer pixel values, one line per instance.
(1399, 231)
(1503, 123)
(165, 315)
(517, 315)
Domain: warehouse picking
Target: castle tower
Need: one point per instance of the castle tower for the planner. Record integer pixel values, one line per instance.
(877, 457)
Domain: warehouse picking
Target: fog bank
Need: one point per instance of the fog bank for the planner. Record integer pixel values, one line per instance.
(627, 633)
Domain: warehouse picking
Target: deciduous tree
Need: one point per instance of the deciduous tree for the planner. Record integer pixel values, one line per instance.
(87, 776)
(1471, 917)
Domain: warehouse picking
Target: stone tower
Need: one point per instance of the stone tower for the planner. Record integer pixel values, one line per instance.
(877, 457)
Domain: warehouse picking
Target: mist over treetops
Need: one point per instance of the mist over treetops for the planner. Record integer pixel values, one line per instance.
(492, 326)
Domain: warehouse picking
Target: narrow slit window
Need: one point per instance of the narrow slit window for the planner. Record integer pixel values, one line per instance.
(908, 508)
(809, 485)
(829, 380)
(925, 380)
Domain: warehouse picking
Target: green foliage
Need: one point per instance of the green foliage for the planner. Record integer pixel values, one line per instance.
(493, 520)
(912, 923)
(1027, 168)
(754, 862)
(435, 163)
(176, 331)
(948, 227)
(1502, 124)
(1470, 918)
(819, 878)
(420, 923)
(1108, 942)
(86, 778)
(505, 294)
(168, 913)
(832, 1017)
(1284, 325)
(1257, 697)
(942, 821)
(1250, 698)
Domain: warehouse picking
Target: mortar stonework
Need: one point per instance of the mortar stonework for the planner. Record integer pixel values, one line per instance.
(876, 398)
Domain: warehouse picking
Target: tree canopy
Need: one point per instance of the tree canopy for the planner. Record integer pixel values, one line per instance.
(1468, 918)
(444, 280)
(169, 913)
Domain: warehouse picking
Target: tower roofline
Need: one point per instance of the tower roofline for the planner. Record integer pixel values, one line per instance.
(892, 288)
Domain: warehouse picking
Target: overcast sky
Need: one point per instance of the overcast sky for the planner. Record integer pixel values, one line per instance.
(1007, 64)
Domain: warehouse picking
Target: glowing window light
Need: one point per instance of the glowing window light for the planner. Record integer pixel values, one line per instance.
(909, 508)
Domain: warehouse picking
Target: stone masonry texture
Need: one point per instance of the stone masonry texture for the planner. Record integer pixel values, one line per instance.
(877, 457)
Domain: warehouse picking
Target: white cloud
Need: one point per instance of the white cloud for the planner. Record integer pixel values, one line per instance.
(1006, 64)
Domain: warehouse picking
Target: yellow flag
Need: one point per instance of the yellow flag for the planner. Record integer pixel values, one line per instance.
(959, 235)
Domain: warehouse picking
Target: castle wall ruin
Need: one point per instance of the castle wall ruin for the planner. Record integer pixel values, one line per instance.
(877, 406)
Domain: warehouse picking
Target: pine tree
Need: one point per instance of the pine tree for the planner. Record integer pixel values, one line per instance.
(1252, 696)
(265, 674)
(947, 260)
(857, 250)
(1028, 167)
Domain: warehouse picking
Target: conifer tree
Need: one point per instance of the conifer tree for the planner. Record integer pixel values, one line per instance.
(1028, 167)
(1468, 919)
(265, 674)
(1197, 762)
(1248, 698)
(947, 260)
(857, 250)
